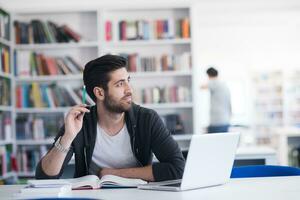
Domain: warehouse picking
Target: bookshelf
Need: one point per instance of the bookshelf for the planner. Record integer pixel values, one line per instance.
(277, 107)
(169, 53)
(32, 144)
(268, 102)
(143, 40)
(7, 146)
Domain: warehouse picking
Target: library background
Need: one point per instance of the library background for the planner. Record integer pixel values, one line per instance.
(169, 46)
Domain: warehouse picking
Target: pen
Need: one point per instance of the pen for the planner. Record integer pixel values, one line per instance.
(83, 94)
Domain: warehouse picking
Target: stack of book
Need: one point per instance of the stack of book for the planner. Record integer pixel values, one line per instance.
(43, 32)
(31, 64)
(146, 30)
(165, 62)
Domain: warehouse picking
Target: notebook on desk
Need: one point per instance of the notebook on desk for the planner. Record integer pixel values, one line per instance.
(209, 163)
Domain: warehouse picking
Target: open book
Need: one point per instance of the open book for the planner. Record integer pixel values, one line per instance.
(89, 182)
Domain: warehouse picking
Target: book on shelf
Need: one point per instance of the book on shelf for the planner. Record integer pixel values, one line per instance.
(28, 157)
(89, 182)
(37, 64)
(173, 123)
(4, 60)
(5, 94)
(4, 24)
(147, 30)
(37, 126)
(5, 159)
(41, 32)
(5, 126)
(36, 95)
(165, 62)
(168, 94)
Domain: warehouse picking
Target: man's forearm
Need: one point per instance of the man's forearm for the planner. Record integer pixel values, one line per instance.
(53, 161)
(144, 173)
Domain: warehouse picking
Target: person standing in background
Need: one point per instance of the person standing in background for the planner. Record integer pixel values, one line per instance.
(220, 103)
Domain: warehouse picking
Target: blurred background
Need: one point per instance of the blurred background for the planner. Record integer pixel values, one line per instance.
(254, 45)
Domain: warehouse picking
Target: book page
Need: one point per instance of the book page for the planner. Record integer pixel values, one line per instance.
(111, 180)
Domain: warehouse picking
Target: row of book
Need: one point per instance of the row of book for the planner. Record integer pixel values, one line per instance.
(4, 24)
(37, 31)
(29, 156)
(147, 30)
(4, 60)
(37, 95)
(38, 126)
(5, 126)
(5, 93)
(5, 159)
(29, 63)
(173, 123)
(165, 62)
(168, 94)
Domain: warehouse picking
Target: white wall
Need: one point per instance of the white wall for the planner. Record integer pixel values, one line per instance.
(240, 38)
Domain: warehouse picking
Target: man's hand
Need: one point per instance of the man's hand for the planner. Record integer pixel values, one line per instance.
(109, 171)
(144, 173)
(73, 123)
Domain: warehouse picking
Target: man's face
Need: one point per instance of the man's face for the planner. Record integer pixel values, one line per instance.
(118, 97)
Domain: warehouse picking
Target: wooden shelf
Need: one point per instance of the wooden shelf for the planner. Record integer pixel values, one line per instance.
(50, 78)
(35, 142)
(5, 41)
(6, 108)
(43, 110)
(56, 46)
(26, 174)
(149, 42)
(160, 74)
(5, 142)
(168, 105)
(5, 75)
(7, 175)
(182, 137)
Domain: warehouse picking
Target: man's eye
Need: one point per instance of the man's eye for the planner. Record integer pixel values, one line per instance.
(120, 84)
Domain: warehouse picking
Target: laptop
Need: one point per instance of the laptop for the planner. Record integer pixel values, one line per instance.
(209, 163)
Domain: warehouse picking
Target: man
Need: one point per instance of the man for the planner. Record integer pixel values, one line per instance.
(115, 136)
(220, 103)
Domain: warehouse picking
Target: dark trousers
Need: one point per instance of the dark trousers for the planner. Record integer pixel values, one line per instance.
(217, 129)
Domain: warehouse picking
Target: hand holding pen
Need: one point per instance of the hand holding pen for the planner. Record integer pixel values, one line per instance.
(74, 118)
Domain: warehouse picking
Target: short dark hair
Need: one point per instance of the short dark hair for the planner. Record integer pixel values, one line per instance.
(96, 72)
(212, 72)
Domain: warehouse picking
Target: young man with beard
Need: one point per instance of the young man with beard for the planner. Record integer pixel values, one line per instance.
(115, 136)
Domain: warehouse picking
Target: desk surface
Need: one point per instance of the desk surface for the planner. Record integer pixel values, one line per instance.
(248, 188)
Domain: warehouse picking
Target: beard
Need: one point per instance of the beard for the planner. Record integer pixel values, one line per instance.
(115, 106)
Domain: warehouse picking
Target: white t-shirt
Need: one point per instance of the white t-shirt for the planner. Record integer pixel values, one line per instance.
(113, 151)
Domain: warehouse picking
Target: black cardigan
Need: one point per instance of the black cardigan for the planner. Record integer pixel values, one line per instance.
(148, 135)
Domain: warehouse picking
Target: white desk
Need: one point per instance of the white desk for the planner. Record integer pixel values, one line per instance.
(272, 188)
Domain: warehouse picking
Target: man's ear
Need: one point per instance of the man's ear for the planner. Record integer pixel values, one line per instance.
(99, 93)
